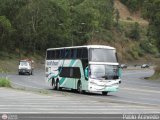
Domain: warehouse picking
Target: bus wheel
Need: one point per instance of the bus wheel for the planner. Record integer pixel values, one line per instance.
(104, 93)
(53, 84)
(58, 86)
(79, 88)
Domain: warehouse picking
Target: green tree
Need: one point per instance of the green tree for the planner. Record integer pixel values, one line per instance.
(133, 5)
(5, 32)
(151, 12)
(34, 25)
(135, 32)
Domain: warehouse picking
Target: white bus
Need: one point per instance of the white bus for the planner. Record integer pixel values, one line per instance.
(90, 68)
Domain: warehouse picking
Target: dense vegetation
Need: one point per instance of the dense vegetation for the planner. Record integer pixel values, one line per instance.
(151, 12)
(34, 25)
(133, 5)
(31, 26)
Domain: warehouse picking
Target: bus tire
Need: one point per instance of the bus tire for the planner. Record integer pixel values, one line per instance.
(53, 84)
(104, 93)
(58, 86)
(79, 87)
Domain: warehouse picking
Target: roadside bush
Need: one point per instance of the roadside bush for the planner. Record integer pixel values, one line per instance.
(135, 32)
(133, 5)
(4, 82)
(134, 53)
(156, 75)
(148, 47)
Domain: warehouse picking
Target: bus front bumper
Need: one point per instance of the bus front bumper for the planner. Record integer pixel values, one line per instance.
(96, 88)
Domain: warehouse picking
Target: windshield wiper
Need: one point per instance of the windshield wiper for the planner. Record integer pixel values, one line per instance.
(105, 76)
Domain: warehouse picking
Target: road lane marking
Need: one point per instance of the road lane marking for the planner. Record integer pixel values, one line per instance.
(127, 102)
(80, 106)
(77, 109)
(86, 112)
(142, 90)
(137, 82)
(136, 93)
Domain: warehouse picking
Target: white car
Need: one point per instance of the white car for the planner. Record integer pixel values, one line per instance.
(123, 66)
(145, 66)
(24, 67)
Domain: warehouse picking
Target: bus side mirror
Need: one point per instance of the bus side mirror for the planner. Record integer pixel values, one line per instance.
(86, 73)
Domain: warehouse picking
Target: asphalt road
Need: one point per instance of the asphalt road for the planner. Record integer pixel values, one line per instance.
(136, 95)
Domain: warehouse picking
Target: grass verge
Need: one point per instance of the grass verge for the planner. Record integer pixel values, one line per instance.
(4, 82)
(156, 75)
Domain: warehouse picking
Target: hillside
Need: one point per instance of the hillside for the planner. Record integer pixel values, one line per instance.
(126, 15)
(28, 28)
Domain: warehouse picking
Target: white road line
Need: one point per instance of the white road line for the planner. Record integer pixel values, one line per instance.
(77, 109)
(126, 101)
(41, 106)
(141, 90)
(86, 112)
(147, 85)
(130, 92)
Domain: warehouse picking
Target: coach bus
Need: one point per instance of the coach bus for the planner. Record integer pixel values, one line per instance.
(90, 68)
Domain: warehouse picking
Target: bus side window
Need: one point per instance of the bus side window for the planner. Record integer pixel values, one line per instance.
(70, 72)
(63, 53)
(48, 55)
(58, 54)
(84, 53)
(79, 53)
(72, 53)
(68, 53)
(52, 54)
(75, 53)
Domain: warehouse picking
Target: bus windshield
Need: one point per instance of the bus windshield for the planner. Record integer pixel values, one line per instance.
(104, 72)
(103, 55)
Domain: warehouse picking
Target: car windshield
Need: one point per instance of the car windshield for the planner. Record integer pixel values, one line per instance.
(23, 63)
(104, 72)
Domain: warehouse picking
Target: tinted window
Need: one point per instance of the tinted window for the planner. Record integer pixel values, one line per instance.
(84, 53)
(52, 54)
(73, 53)
(79, 53)
(70, 72)
(48, 54)
(67, 54)
(58, 54)
(63, 53)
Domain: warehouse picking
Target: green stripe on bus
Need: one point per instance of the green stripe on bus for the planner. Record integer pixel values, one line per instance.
(55, 76)
(61, 80)
(71, 63)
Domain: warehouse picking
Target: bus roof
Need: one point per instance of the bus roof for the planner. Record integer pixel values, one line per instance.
(87, 46)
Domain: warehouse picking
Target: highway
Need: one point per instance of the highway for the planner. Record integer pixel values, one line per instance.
(136, 95)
